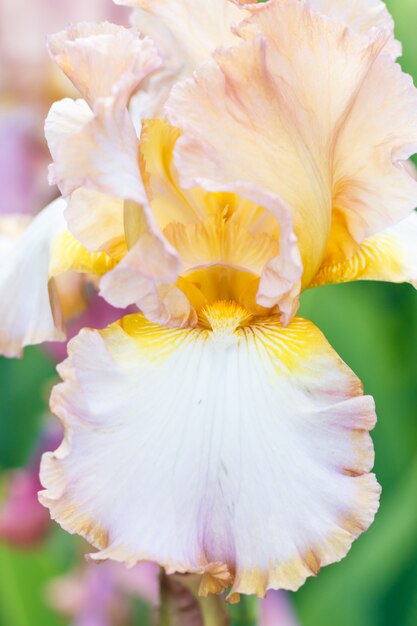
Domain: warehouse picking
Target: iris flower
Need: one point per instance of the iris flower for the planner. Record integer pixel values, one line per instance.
(214, 431)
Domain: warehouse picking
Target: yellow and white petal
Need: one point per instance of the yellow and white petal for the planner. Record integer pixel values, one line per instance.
(103, 60)
(310, 111)
(95, 219)
(205, 228)
(245, 228)
(241, 453)
(30, 312)
(390, 256)
(95, 150)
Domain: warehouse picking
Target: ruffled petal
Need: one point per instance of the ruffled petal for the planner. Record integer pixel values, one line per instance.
(363, 16)
(185, 33)
(390, 256)
(241, 453)
(197, 28)
(96, 150)
(103, 60)
(30, 312)
(310, 111)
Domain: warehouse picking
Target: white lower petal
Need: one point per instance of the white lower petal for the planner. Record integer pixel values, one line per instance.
(241, 455)
(29, 311)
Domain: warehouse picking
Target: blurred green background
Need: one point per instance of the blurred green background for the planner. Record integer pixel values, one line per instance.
(374, 328)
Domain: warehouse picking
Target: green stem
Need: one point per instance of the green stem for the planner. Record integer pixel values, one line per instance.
(245, 613)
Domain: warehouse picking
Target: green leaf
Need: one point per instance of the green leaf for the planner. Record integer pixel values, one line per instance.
(24, 391)
(245, 613)
(23, 580)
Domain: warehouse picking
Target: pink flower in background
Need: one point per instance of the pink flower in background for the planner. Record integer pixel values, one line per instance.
(26, 72)
(23, 521)
(102, 596)
(22, 161)
(29, 83)
(276, 610)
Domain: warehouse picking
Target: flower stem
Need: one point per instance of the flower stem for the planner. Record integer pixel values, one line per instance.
(245, 613)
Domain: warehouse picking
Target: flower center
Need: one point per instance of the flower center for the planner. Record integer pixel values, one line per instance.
(223, 318)
(221, 284)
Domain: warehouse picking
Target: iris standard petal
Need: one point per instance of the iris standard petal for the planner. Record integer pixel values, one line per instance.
(197, 28)
(95, 150)
(363, 16)
(238, 450)
(246, 228)
(310, 110)
(103, 60)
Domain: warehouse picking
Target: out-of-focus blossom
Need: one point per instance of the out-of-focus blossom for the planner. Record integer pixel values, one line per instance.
(276, 610)
(214, 432)
(22, 161)
(25, 69)
(23, 521)
(103, 596)
(29, 83)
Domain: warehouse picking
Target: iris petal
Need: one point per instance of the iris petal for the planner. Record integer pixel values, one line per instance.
(238, 449)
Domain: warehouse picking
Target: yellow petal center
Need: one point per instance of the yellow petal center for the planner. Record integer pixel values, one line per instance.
(224, 317)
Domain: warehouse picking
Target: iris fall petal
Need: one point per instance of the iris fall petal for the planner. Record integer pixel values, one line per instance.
(241, 453)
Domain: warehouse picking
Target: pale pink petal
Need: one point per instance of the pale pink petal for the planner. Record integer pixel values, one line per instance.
(389, 256)
(197, 27)
(98, 151)
(241, 453)
(103, 60)
(310, 111)
(185, 33)
(364, 16)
